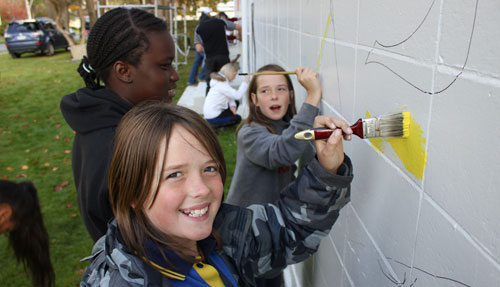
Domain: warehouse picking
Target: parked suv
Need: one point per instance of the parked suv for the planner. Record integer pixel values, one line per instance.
(39, 35)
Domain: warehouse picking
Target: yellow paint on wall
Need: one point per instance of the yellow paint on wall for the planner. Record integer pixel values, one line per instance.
(411, 151)
(323, 40)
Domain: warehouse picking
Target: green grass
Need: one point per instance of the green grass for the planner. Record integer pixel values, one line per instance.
(35, 144)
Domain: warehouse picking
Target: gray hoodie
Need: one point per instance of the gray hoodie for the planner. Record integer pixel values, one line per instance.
(265, 162)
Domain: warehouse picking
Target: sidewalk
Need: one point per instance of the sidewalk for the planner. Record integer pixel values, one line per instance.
(193, 97)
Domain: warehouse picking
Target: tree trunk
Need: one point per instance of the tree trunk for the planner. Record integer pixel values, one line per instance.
(28, 8)
(82, 23)
(91, 10)
(58, 10)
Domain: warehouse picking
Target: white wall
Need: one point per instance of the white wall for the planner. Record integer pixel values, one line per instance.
(426, 208)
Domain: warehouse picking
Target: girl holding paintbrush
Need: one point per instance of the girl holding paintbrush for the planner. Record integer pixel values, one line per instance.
(267, 149)
(171, 228)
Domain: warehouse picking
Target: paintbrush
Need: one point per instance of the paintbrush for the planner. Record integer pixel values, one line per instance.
(268, 73)
(393, 125)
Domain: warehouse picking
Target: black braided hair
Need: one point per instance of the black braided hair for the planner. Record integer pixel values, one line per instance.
(119, 34)
(29, 238)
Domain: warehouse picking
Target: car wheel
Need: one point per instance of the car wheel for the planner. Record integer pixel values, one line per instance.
(50, 49)
(15, 55)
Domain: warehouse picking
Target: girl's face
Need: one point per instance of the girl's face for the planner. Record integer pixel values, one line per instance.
(190, 190)
(273, 96)
(6, 223)
(154, 77)
(232, 77)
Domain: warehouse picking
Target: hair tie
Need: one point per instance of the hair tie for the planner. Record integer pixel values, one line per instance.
(222, 75)
(86, 66)
(88, 69)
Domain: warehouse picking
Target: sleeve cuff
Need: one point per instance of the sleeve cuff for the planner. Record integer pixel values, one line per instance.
(344, 175)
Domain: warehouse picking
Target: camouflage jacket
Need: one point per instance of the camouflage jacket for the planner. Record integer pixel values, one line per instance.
(258, 241)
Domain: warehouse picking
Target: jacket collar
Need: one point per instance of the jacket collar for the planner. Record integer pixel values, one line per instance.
(178, 268)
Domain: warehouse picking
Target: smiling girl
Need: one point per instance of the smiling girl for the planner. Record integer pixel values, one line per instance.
(172, 229)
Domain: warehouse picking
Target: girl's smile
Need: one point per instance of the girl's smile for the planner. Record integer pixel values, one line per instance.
(196, 212)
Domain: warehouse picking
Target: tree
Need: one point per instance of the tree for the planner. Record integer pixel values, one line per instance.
(91, 11)
(12, 10)
(28, 4)
(59, 11)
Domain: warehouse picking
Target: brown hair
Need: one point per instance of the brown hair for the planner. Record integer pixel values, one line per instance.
(255, 115)
(132, 171)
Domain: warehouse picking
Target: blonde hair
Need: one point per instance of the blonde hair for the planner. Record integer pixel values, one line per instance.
(227, 70)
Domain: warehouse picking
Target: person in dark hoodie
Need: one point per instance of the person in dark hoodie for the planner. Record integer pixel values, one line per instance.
(131, 52)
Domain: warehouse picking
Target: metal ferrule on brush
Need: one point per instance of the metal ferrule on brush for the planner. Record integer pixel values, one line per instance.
(371, 128)
(385, 126)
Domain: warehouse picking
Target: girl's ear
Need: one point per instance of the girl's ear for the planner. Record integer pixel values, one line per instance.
(123, 71)
(5, 211)
(5, 215)
(254, 98)
(291, 95)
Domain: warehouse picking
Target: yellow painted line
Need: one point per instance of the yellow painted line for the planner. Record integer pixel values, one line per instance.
(323, 40)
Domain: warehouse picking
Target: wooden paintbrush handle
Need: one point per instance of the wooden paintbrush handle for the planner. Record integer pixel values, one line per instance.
(269, 73)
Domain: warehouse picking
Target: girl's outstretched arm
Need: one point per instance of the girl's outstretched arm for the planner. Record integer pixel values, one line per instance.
(308, 78)
(330, 151)
(273, 236)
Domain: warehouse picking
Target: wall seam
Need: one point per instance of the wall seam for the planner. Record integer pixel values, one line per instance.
(375, 245)
(476, 243)
(344, 270)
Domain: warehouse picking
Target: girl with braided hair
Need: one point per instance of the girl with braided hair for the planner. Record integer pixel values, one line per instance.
(21, 218)
(129, 60)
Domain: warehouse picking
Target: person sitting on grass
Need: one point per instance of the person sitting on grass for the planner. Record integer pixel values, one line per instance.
(219, 108)
(21, 218)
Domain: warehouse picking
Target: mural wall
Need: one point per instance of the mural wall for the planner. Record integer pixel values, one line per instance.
(424, 210)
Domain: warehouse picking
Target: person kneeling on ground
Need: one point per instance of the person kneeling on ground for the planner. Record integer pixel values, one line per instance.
(221, 102)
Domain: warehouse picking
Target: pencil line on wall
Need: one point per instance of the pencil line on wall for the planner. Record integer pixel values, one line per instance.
(409, 37)
(421, 270)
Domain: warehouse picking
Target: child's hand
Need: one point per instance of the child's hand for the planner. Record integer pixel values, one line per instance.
(233, 109)
(330, 151)
(246, 79)
(308, 78)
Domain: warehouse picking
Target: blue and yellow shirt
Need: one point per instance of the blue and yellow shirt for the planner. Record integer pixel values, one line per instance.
(214, 273)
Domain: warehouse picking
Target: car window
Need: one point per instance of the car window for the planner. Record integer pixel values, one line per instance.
(19, 28)
(49, 26)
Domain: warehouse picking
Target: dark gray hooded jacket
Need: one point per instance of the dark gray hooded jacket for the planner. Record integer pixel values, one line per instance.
(260, 240)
